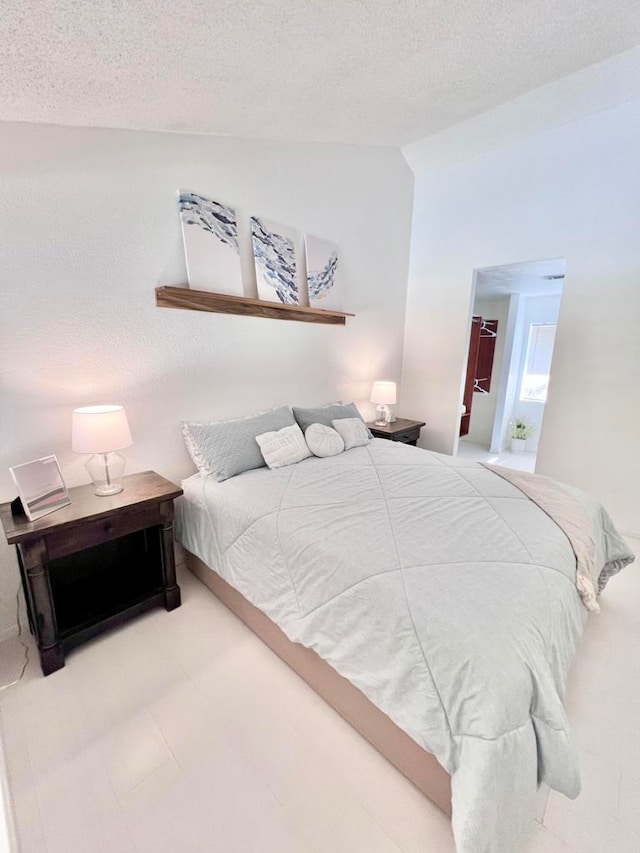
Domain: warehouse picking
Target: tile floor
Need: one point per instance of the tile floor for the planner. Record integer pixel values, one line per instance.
(182, 733)
(518, 461)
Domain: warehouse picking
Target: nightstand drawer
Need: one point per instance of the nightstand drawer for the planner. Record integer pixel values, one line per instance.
(62, 542)
(406, 436)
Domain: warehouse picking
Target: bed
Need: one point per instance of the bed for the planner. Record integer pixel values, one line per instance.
(429, 600)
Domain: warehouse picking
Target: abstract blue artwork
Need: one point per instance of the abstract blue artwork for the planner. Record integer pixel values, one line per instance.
(210, 234)
(322, 274)
(275, 259)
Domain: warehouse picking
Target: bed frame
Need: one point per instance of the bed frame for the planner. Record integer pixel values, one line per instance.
(419, 766)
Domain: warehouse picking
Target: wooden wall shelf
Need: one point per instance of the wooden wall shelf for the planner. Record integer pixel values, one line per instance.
(220, 303)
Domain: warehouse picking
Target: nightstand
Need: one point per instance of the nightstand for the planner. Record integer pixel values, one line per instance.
(94, 564)
(408, 432)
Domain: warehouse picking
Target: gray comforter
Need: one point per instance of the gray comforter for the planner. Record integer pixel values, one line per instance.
(437, 588)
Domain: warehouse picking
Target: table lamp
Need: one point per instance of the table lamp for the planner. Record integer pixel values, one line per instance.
(101, 431)
(383, 394)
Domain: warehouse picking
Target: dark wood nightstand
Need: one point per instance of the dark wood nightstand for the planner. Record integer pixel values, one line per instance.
(408, 432)
(96, 563)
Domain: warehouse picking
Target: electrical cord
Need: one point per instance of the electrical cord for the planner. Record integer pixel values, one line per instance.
(22, 643)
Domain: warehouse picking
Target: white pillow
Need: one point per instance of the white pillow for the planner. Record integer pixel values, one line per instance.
(353, 431)
(285, 446)
(323, 440)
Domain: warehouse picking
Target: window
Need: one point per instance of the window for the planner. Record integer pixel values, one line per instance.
(537, 366)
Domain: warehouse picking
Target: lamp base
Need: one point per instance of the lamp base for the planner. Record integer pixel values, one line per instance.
(106, 471)
(384, 415)
(109, 490)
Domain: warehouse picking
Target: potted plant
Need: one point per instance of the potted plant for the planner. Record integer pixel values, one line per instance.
(520, 431)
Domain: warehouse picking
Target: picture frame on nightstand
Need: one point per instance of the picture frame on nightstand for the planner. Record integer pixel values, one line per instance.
(40, 486)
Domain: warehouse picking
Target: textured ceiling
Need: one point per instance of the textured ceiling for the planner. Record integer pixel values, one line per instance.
(359, 71)
(528, 278)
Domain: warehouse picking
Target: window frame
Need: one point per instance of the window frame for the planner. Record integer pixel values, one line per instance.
(522, 397)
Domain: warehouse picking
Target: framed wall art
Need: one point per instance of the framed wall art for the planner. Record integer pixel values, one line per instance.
(210, 235)
(323, 274)
(275, 259)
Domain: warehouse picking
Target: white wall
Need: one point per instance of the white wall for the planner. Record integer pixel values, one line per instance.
(90, 227)
(484, 405)
(572, 192)
(508, 381)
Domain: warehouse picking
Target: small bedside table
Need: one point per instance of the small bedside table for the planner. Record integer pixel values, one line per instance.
(92, 565)
(408, 432)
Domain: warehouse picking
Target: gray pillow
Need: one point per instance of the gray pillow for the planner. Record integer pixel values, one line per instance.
(354, 433)
(227, 448)
(325, 414)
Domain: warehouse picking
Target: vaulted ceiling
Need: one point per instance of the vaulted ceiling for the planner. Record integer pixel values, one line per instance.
(355, 71)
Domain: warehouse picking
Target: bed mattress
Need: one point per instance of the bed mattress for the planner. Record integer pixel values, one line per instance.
(434, 586)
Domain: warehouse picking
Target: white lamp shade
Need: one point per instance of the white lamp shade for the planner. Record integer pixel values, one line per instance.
(100, 429)
(384, 393)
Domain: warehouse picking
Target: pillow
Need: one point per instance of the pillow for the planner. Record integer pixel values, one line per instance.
(323, 440)
(227, 448)
(286, 446)
(354, 433)
(325, 414)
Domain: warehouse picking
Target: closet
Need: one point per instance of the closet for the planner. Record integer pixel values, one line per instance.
(482, 345)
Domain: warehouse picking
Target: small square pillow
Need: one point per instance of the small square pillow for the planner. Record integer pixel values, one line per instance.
(325, 414)
(227, 448)
(323, 440)
(286, 446)
(354, 433)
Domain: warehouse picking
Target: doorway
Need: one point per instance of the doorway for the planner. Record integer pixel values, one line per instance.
(512, 334)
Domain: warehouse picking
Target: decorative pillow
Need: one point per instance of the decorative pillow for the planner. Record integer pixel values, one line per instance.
(284, 447)
(227, 448)
(323, 440)
(354, 433)
(325, 414)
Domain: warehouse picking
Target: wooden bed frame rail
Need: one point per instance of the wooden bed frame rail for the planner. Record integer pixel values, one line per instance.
(419, 766)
